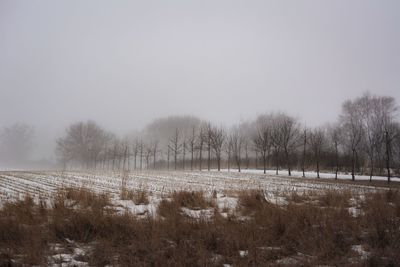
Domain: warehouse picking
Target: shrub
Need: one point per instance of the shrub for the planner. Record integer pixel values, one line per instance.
(191, 200)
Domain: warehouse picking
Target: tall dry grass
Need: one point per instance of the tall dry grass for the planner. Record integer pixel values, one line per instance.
(312, 230)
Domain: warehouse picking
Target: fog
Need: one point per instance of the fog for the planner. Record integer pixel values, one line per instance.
(126, 63)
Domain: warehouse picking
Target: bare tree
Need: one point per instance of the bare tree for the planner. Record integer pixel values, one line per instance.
(15, 143)
(175, 146)
(317, 143)
(388, 110)
(192, 146)
(64, 153)
(83, 143)
(228, 148)
(237, 139)
(351, 119)
(208, 139)
(184, 153)
(136, 146)
(155, 151)
(263, 138)
(303, 158)
(141, 151)
(288, 132)
(246, 152)
(117, 153)
(148, 154)
(335, 140)
(396, 147)
(126, 155)
(168, 155)
(256, 159)
(200, 145)
(217, 140)
(276, 138)
(372, 116)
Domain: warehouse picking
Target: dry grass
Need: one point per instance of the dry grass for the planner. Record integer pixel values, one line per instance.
(300, 197)
(192, 200)
(21, 232)
(308, 233)
(84, 198)
(382, 227)
(171, 207)
(137, 196)
(250, 201)
(335, 198)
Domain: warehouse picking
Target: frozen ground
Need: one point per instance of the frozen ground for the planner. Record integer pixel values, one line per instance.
(309, 174)
(43, 185)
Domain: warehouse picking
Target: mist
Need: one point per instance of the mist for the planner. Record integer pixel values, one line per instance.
(124, 64)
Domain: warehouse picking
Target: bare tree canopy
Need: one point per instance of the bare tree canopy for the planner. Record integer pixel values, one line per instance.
(217, 138)
(16, 143)
(263, 137)
(365, 140)
(287, 128)
(317, 140)
(368, 128)
(83, 143)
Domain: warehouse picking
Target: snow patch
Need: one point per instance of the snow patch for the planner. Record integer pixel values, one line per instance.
(205, 214)
(361, 251)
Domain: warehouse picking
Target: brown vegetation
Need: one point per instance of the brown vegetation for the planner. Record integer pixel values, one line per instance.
(309, 230)
(137, 196)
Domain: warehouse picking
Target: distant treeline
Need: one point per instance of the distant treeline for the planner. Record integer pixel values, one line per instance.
(364, 140)
(15, 144)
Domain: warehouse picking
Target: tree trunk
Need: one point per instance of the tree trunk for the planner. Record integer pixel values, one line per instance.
(191, 158)
(209, 157)
(154, 159)
(247, 157)
(200, 157)
(175, 159)
(353, 165)
(265, 163)
(113, 162)
(288, 163)
(168, 158)
(337, 161)
(387, 155)
(184, 155)
(141, 158)
(126, 148)
(229, 161)
(304, 154)
(372, 168)
(256, 160)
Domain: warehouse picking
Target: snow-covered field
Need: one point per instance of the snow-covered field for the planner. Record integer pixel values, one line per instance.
(159, 184)
(312, 175)
(16, 184)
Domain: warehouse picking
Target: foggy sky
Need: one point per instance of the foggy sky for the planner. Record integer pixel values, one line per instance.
(124, 63)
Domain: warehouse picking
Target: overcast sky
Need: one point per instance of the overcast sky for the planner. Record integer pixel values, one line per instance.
(124, 63)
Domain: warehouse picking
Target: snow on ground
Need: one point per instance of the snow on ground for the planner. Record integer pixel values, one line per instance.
(312, 174)
(42, 185)
(159, 184)
(62, 256)
(361, 251)
(143, 210)
(203, 214)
